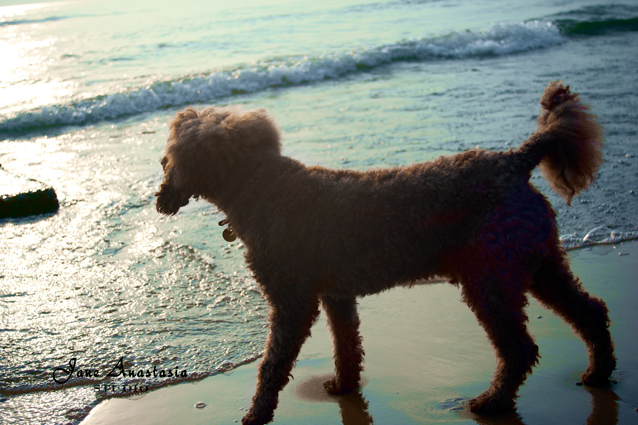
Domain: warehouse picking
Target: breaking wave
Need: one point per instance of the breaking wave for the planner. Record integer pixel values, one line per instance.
(494, 40)
(597, 20)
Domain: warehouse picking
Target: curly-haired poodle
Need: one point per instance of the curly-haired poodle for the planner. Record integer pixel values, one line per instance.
(319, 236)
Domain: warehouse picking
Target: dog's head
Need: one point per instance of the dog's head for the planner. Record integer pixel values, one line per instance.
(204, 148)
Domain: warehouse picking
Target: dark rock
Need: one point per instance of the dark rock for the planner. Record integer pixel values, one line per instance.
(22, 197)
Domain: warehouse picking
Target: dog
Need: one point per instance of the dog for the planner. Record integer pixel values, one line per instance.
(316, 236)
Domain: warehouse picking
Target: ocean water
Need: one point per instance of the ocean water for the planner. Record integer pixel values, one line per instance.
(87, 89)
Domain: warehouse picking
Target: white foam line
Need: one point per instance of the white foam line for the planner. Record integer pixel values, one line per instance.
(494, 40)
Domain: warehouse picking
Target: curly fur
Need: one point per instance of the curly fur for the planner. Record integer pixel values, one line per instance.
(571, 162)
(316, 236)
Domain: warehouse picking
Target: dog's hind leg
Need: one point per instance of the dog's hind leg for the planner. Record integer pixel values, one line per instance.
(558, 289)
(290, 323)
(497, 299)
(348, 352)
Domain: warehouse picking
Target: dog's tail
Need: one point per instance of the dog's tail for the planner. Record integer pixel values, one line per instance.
(567, 144)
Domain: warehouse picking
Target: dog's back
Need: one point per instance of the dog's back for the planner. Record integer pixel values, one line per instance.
(356, 233)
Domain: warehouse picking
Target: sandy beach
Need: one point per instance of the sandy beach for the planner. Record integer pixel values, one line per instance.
(426, 355)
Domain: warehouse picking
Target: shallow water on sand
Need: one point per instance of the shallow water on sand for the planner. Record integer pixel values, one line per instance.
(108, 278)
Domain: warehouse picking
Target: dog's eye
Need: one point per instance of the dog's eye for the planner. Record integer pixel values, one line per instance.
(164, 161)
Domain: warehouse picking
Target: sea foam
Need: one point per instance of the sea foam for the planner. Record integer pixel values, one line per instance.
(494, 40)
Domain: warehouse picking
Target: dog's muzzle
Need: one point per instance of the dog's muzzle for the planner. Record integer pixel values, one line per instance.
(169, 200)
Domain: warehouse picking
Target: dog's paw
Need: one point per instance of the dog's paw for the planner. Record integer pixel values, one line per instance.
(488, 404)
(254, 419)
(336, 387)
(599, 376)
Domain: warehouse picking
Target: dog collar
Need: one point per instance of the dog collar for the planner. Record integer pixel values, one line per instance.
(227, 234)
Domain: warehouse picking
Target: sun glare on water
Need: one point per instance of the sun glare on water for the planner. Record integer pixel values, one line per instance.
(24, 78)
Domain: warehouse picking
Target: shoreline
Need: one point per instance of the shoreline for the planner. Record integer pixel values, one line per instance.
(425, 356)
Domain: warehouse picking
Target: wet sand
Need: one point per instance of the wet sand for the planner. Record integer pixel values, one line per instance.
(425, 356)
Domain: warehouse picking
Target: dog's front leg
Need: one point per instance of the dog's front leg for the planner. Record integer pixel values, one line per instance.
(290, 323)
(348, 352)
